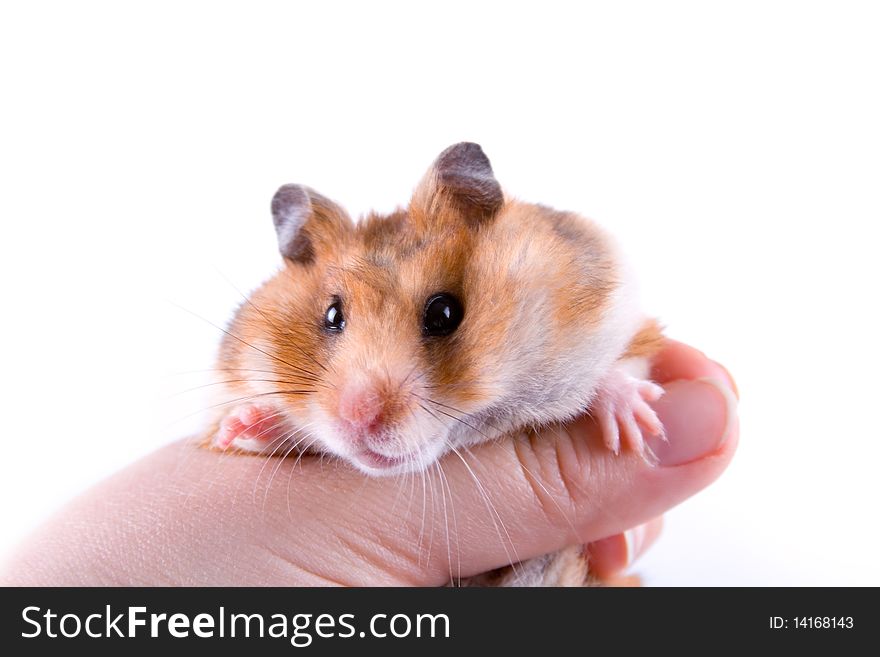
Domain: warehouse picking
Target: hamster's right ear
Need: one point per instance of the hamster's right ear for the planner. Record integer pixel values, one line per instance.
(459, 185)
(307, 223)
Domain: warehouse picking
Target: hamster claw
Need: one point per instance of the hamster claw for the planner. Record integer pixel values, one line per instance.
(608, 425)
(624, 415)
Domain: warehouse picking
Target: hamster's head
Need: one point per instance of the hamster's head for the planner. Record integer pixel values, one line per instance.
(391, 341)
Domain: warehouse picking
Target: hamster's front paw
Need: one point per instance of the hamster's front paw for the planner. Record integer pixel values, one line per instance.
(622, 411)
(251, 427)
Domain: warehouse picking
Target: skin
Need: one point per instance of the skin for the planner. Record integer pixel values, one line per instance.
(190, 516)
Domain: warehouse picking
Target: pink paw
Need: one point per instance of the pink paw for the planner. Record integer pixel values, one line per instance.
(623, 413)
(251, 422)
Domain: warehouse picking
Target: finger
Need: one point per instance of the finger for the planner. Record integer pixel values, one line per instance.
(625, 581)
(680, 361)
(562, 487)
(609, 557)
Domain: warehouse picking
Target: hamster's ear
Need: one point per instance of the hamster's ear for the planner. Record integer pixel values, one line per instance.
(307, 223)
(460, 181)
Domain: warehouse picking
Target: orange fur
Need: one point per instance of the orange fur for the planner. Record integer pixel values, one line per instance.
(546, 315)
(647, 342)
(385, 267)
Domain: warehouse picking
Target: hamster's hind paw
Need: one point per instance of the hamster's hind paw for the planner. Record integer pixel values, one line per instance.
(250, 427)
(622, 410)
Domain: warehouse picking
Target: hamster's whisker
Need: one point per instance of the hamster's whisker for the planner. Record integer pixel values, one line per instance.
(280, 462)
(458, 419)
(243, 369)
(429, 474)
(244, 342)
(266, 317)
(398, 481)
(302, 452)
(411, 479)
(497, 521)
(276, 444)
(228, 381)
(432, 414)
(220, 369)
(305, 429)
(409, 374)
(443, 479)
(305, 435)
(286, 391)
(240, 399)
(466, 385)
(424, 513)
(292, 381)
(415, 380)
(465, 414)
(451, 408)
(287, 445)
(535, 479)
(436, 465)
(402, 480)
(290, 341)
(277, 414)
(423, 476)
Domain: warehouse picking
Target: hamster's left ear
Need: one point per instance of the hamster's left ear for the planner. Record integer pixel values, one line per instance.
(308, 224)
(459, 183)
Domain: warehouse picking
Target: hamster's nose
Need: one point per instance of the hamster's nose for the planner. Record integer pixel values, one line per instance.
(362, 407)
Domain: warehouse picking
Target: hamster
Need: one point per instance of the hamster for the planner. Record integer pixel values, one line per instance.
(463, 316)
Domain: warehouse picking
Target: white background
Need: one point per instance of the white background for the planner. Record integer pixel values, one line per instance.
(734, 150)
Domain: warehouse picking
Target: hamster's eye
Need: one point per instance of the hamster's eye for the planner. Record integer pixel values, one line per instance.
(443, 314)
(334, 320)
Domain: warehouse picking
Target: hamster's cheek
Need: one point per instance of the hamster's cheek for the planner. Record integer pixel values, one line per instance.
(324, 436)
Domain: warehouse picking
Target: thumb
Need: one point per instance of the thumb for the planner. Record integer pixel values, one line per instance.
(538, 493)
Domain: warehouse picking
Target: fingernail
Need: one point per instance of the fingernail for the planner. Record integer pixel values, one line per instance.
(697, 417)
(729, 379)
(635, 542)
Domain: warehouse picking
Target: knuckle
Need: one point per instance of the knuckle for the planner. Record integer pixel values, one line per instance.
(557, 466)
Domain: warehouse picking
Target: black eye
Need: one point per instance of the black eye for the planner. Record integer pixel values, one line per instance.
(443, 314)
(333, 318)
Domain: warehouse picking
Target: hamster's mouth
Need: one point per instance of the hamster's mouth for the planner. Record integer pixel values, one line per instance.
(371, 461)
(379, 461)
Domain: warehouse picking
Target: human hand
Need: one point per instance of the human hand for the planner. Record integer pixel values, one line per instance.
(189, 516)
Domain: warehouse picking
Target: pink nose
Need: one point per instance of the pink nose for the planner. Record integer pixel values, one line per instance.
(362, 407)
